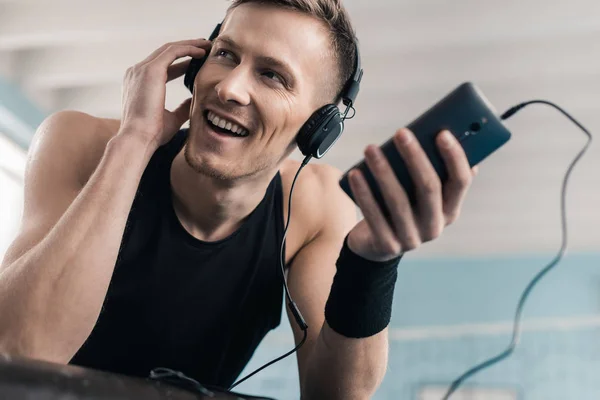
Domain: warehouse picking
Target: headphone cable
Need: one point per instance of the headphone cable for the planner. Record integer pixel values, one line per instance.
(518, 313)
(290, 302)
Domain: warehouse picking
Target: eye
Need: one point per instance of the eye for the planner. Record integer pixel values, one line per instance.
(274, 76)
(223, 53)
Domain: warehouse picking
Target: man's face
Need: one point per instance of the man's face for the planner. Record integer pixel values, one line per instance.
(266, 72)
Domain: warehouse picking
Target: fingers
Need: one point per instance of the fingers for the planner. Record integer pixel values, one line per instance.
(437, 205)
(428, 187)
(395, 198)
(174, 119)
(182, 112)
(190, 42)
(159, 64)
(460, 175)
(176, 70)
(172, 53)
(378, 225)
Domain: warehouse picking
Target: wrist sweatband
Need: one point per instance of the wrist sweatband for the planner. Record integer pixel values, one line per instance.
(360, 301)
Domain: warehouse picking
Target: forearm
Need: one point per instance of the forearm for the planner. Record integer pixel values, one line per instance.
(345, 368)
(349, 357)
(50, 297)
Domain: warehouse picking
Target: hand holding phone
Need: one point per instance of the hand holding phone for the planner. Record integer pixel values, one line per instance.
(413, 185)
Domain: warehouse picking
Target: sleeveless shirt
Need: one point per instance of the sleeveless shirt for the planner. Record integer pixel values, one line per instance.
(174, 301)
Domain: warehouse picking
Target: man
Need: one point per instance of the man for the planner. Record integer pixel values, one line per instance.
(145, 247)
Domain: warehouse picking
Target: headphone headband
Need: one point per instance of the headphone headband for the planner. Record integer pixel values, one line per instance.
(352, 86)
(349, 91)
(325, 125)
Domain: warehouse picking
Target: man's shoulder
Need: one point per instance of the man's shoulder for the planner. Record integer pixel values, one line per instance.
(320, 177)
(80, 118)
(318, 199)
(317, 185)
(77, 136)
(78, 129)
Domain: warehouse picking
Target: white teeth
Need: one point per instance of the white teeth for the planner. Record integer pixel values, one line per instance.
(224, 124)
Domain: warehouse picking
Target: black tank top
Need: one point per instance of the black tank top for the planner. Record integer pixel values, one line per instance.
(177, 302)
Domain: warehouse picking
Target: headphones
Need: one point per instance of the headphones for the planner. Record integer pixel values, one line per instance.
(325, 126)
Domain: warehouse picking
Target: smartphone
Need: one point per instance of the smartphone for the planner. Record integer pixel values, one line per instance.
(465, 112)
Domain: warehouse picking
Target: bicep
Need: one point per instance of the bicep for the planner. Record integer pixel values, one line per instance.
(58, 158)
(313, 268)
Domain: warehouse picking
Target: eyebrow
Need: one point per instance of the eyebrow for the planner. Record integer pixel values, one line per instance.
(265, 60)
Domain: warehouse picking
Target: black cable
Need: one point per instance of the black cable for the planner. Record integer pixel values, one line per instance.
(344, 116)
(273, 361)
(178, 378)
(181, 380)
(517, 320)
(292, 306)
(290, 302)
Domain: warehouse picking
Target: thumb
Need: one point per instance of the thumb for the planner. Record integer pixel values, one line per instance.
(174, 119)
(182, 113)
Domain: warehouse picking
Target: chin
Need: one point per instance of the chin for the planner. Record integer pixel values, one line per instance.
(204, 164)
(204, 158)
(215, 166)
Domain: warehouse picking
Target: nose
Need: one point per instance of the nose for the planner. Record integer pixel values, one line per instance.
(234, 87)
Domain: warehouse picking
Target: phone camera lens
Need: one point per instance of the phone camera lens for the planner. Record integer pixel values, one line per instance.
(475, 127)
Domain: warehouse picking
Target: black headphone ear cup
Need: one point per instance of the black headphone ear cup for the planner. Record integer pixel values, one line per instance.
(192, 71)
(196, 63)
(320, 131)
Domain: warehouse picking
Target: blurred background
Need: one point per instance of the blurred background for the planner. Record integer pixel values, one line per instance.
(455, 297)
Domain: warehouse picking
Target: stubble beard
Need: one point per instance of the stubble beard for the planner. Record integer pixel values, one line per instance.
(231, 174)
(237, 171)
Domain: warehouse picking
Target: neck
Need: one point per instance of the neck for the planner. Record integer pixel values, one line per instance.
(211, 209)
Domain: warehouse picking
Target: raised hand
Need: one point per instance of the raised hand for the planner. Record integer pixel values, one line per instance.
(144, 92)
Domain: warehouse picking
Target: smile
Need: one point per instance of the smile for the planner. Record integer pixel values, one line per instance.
(222, 125)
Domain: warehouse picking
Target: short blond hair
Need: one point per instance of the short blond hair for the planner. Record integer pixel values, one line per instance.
(337, 20)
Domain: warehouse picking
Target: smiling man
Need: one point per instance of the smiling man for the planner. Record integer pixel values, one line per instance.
(143, 245)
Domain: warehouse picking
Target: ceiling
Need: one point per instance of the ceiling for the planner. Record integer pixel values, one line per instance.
(72, 54)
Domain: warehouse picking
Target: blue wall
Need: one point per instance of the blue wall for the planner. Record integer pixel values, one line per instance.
(548, 364)
(16, 106)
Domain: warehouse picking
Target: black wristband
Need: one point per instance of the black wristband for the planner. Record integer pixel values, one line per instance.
(360, 301)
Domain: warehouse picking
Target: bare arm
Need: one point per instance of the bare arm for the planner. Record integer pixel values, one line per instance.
(331, 366)
(55, 276)
(56, 273)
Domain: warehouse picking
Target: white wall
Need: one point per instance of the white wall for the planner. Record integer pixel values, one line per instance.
(12, 165)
